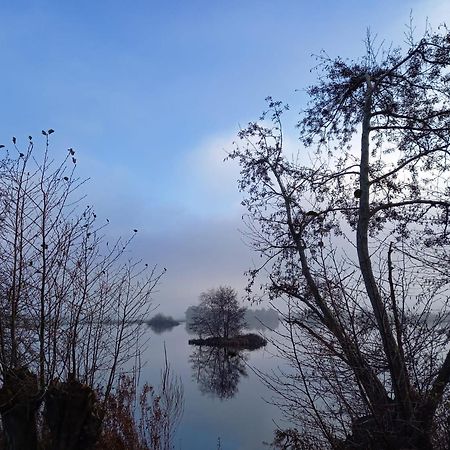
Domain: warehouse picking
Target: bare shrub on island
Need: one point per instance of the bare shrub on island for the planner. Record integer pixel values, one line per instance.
(218, 314)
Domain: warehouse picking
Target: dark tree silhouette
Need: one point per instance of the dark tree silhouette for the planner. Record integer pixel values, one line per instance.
(357, 244)
(218, 314)
(71, 308)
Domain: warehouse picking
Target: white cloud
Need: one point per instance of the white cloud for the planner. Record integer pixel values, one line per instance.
(210, 182)
(213, 176)
(213, 181)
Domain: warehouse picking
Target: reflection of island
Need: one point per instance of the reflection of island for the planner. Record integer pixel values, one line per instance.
(217, 370)
(161, 323)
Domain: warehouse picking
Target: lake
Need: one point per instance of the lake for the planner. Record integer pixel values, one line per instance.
(225, 401)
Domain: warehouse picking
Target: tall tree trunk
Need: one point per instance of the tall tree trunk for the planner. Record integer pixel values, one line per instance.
(397, 367)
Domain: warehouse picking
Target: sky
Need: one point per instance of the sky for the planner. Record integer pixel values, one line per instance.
(151, 95)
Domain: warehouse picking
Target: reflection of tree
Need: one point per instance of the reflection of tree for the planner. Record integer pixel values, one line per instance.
(218, 370)
(161, 328)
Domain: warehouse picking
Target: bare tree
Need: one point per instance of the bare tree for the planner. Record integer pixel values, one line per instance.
(218, 314)
(357, 244)
(70, 305)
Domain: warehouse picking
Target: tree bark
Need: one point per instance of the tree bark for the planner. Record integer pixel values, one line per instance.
(19, 402)
(73, 415)
(397, 367)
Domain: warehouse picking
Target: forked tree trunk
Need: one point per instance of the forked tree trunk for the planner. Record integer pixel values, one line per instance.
(19, 402)
(73, 416)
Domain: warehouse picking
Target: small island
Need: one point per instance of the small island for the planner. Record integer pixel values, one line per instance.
(249, 341)
(219, 320)
(160, 323)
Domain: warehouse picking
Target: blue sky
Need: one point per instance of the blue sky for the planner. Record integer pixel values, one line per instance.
(151, 94)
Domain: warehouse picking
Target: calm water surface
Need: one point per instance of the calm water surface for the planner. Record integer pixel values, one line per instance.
(224, 399)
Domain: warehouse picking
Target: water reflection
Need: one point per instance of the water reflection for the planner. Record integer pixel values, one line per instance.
(218, 370)
(206, 417)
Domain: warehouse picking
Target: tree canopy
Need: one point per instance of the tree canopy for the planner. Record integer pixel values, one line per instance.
(354, 236)
(218, 314)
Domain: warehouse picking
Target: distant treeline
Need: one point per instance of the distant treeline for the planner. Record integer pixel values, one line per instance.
(256, 319)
